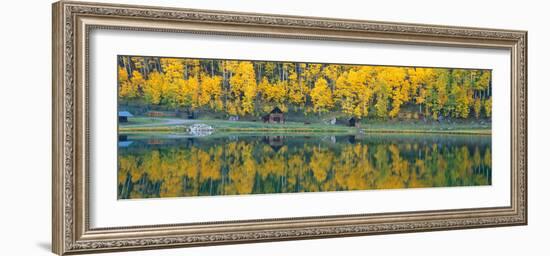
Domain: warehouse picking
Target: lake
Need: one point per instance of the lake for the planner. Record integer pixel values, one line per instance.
(164, 165)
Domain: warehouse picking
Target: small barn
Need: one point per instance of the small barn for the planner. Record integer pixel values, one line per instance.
(276, 116)
(353, 122)
(123, 116)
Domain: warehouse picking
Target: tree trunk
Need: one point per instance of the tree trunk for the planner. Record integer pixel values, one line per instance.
(159, 66)
(146, 66)
(212, 66)
(186, 71)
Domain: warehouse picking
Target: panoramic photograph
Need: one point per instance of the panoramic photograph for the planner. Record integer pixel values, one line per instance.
(212, 127)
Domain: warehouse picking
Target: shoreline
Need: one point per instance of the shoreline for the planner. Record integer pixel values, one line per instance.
(450, 132)
(181, 126)
(184, 130)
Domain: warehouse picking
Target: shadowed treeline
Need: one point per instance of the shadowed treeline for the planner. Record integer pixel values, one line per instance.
(238, 165)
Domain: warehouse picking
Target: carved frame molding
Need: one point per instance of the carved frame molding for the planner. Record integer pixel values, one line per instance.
(72, 22)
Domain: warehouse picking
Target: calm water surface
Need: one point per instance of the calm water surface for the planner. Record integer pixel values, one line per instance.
(154, 166)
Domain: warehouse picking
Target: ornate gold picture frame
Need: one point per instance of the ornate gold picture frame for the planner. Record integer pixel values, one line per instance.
(72, 24)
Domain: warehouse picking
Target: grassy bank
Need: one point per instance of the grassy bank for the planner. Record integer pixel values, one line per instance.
(471, 132)
(427, 127)
(139, 129)
(231, 126)
(141, 120)
(173, 125)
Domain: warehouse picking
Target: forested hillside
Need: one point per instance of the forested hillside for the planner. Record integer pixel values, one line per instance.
(253, 88)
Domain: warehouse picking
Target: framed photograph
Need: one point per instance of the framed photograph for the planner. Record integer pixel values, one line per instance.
(178, 127)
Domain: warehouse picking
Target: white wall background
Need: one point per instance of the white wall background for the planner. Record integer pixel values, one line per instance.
(25, 100)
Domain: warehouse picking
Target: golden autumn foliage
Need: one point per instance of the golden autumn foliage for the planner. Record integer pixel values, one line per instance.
(252, 88)
(239, 167)
(488, 105)
(153, 88)
(321, 96)
(353, 93)
(210, 92)
(243, 87)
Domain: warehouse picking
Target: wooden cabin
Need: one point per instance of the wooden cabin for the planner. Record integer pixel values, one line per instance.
(123, 116)
(276, 116)
(353, 122)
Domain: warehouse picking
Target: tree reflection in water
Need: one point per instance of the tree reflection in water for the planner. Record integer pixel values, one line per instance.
(156, 166)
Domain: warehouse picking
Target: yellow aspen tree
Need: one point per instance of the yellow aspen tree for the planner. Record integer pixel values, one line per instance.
(263, 90)
(203, 94)
(273, 94)
(357, 90)
(281, 95)
(321, 96)
(395, 77)
(191, 67)
(462, 105)
(485, 81)
(382, 94)
(420, 79)
(438, 94)
(137, 82)
(460, 97)
(124, 85)
(122, 75)
(243, 87)
(173, 80)
(193, 88)
(383, 91)
(184, 95)
(332, 72)
(232, 107)
(297, 91)
(170, 93)
(352, 91)
(487, 106)
(172, 68)
(477, 107)
(139, 63)
(211, 91)
(153, 88)
(363, 84)
(344, 94)
(130, 89)
(269, 68)
(249, 95)
(311, 72)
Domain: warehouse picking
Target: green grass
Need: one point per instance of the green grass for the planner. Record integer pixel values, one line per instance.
(171, 128)
(148, 124)
(143, 120)
(428, 127)
(261, 126)
(472, 132)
